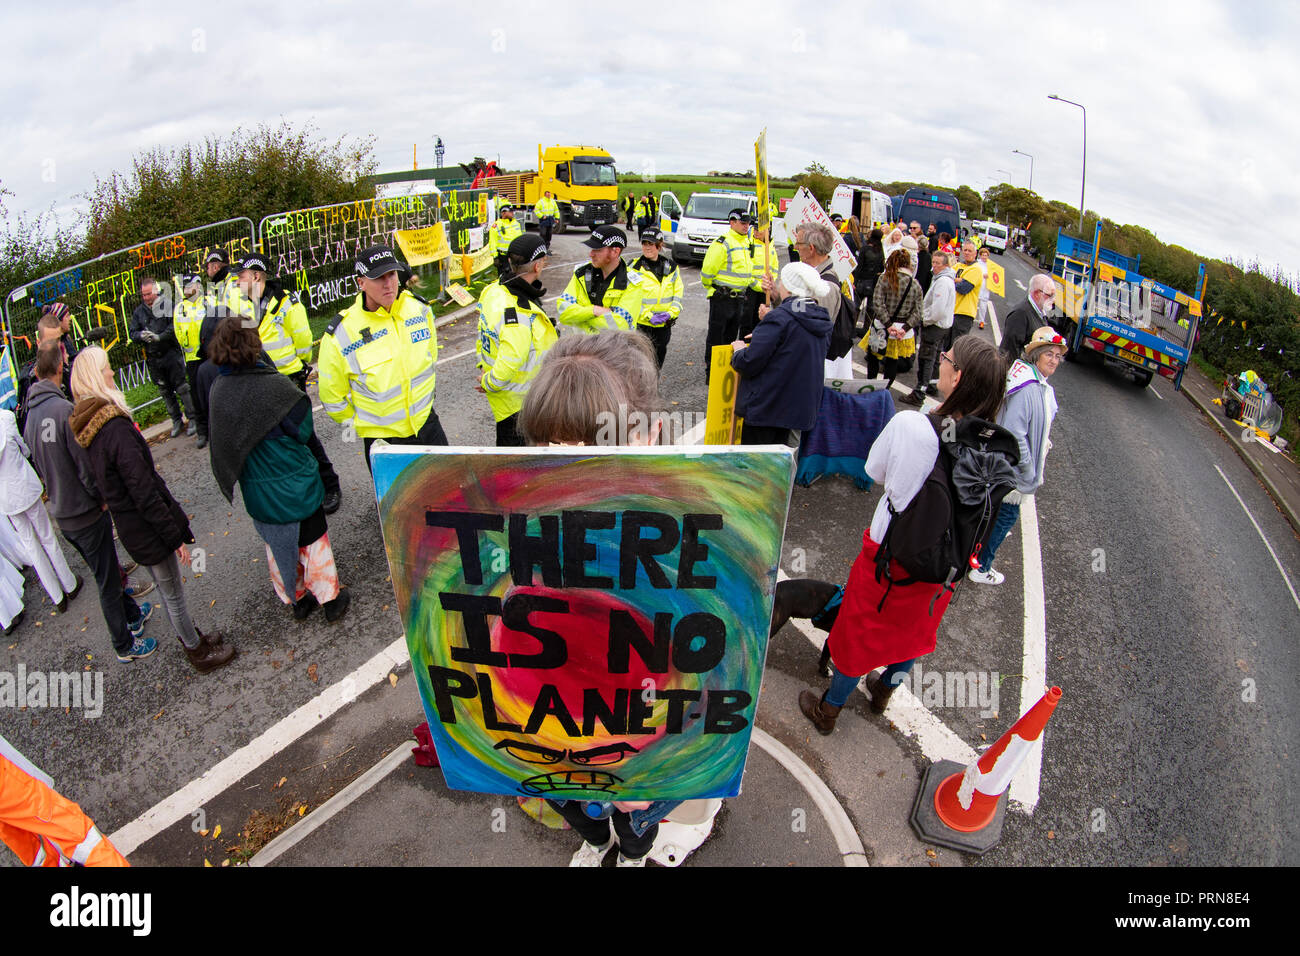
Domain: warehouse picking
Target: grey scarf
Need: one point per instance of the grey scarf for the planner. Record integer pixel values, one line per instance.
(243, 406)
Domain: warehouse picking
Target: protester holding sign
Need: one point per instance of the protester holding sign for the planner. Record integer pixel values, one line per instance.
(378, 359)
(514, 333)
(880, 623)
(781, 369)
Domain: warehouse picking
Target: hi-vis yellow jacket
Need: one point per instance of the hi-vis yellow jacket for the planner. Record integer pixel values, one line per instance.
(764, 254)
(188, 320)
(377, 368)
(504, 231)
(546, 207)
(729, 263)
(661, 284)
(514, 333)
(283, 329)
(621, 295)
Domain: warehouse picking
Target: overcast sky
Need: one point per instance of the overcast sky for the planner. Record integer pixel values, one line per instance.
(1189, 125)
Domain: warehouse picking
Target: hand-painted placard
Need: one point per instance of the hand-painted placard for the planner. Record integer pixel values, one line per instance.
(586, 623)
(721, 426)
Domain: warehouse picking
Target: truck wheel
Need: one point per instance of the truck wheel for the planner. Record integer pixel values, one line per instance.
(561, 224)
(1142, 378)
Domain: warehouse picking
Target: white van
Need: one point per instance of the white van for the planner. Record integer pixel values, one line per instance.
(704, 219)
(871, 206)
(992, 234)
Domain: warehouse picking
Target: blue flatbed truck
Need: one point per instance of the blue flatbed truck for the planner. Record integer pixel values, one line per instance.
(1107, 308)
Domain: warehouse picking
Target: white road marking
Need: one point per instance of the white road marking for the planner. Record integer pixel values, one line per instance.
(252, 755)
(1152, 389)
(997, 331)
(452, 358)
(1033, 670)
(1021, 284)
(1280, 570)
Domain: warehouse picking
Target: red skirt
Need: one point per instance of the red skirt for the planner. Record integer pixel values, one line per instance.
(863, 638)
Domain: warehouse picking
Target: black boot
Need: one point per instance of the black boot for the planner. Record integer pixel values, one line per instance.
(880, 693)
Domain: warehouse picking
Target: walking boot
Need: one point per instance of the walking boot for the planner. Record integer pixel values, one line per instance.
(822, 714)
(177, 428)
(210, 654)
(880, 693)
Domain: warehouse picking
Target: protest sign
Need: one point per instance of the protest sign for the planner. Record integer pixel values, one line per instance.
(314, 251)
(422, 246)
(760, 180)
(721, 426)
(997, 279)
(467, 266)
(805, 208)
(586, 623)
(460, 294)
(103, 292)
(856, 386)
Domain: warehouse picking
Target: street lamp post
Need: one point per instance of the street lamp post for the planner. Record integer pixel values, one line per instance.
(1083, 182)
(1031, 168)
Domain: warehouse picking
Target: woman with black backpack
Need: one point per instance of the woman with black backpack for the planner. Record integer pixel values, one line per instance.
(867, 634)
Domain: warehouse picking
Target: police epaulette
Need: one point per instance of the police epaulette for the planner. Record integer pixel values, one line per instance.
(511, 316)
(417, 296)
(721, 237)
(334, 323)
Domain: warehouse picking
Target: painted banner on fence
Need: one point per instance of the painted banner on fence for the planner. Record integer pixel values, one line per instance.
(314, 251)
(422, 246)
(469, 265)
(586, 624)
(102, 293)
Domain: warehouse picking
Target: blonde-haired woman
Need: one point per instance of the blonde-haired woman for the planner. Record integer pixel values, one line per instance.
(151, 525)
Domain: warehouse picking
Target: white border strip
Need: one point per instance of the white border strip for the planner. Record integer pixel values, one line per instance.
(1033, 670)
(1259, 531)
(243, 761)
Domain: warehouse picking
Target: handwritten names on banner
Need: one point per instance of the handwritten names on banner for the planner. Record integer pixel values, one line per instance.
(103, 292)
(586, 624)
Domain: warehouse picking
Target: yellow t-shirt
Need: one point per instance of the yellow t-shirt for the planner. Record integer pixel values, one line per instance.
(969, 303)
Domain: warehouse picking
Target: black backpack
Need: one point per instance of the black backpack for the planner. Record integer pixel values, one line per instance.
(842, 332)
(943, 529)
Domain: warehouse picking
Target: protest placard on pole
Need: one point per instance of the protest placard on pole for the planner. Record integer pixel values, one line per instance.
(588, 623)
(804, 207)
(721, 426)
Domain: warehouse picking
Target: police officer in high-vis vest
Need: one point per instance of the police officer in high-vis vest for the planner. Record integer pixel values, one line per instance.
(764, 263)
(377, 359)
(503, 232)
(548, 214)
(187, 320)
(514, 333)
(661, 296)
(603, 293)
(726, 273)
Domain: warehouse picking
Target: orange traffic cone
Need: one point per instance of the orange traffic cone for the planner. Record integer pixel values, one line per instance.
(966, 810)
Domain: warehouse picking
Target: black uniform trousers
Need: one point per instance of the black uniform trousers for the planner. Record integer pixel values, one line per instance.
(430, 433)
(725, 311)
(168, 373)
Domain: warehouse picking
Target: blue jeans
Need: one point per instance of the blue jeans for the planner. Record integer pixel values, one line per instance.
(842, 685)
(1008, 515)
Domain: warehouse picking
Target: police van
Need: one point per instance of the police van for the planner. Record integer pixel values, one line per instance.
(704, 219)
(992, 234)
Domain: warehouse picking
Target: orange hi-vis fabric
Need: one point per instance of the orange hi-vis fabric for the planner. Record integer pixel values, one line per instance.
(42, 827)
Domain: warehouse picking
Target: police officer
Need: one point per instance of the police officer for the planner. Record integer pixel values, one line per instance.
(187, 321)
(643, 219)
(222, 294)
(504, 231)
(603, 293)
(514, 333)
(661, 297)
(377, 359)
(764, 264)
(727, 271)
(281, 319)
(548, 214)
(151, 325)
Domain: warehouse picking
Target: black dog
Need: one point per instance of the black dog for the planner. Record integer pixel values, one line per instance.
(807, 598)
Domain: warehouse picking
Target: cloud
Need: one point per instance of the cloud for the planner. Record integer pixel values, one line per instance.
(1185, 134)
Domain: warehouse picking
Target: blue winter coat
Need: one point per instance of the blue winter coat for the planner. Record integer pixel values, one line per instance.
(782, 371)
